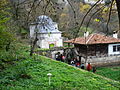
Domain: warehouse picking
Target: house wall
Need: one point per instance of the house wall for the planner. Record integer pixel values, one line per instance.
(110, 49)
(92, 50)
(46, 39)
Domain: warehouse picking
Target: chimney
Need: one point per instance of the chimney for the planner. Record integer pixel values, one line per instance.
(86, 34)
(115, 35)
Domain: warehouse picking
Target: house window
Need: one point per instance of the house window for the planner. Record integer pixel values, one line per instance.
(51, 45)
(116, 48)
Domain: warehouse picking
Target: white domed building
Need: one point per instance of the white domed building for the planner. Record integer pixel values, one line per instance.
(48, 34)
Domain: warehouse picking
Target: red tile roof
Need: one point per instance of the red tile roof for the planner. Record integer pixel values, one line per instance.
(94, 39)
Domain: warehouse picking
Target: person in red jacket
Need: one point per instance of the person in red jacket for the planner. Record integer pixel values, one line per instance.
(89, 67)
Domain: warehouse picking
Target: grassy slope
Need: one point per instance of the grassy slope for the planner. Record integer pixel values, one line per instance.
(64, 77)
(110, 72)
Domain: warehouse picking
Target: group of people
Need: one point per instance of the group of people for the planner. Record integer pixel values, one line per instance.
(75, 62)
(59, 57)
(89, 67)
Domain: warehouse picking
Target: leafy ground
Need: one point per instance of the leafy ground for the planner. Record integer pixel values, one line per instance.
(110, 72)
(30, 73)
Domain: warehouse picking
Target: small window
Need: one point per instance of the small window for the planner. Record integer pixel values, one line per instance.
(114, 49)
(118, 48)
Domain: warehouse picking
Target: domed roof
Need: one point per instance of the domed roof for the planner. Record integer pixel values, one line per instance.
(46, 25)
(44, 18)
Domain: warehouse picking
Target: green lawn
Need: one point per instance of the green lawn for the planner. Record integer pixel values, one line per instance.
(110, 72)
(31, 74)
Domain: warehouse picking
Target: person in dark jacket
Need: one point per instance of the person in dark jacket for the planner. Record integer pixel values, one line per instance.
(73, 62)
(58, 56)
(94, 69)
(82, 66)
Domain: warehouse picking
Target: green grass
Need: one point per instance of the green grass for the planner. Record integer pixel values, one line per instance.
(30, 73)
(110, 72)
(63, 77)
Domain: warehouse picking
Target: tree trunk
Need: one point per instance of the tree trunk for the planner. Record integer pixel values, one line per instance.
(118, 9)
(33, 45)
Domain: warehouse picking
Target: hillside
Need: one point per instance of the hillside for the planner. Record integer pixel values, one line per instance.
(110, 72)
(19, 71)
(30, 73)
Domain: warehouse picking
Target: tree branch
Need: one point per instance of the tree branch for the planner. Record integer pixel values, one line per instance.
(97, 11)
(86, 15)
(118, 9)
(48, 2)
(109, 16)
(74, 12)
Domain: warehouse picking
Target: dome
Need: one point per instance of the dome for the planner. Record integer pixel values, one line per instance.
(46, 25)
(44, 18)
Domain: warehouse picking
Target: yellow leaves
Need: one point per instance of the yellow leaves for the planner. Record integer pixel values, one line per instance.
(105, 12)
(105, 9)
(85, 7)
(63, 15)
(97, 20)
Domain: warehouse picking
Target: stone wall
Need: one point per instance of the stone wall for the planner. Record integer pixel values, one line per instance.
(97, 61)
(104, 61)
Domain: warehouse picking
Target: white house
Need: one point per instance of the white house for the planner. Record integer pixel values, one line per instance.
(97, 45)
(47, 32)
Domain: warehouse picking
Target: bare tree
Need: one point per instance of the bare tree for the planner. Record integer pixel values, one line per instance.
(26, 11)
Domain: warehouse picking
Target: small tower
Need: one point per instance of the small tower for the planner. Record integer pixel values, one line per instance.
(47, 31)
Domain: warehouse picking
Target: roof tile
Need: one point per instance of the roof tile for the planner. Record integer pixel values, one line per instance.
(94, 39)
